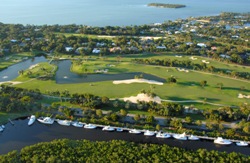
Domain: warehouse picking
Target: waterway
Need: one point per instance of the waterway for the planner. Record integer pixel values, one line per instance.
(110, 12)
(19, 135)
(65, 76)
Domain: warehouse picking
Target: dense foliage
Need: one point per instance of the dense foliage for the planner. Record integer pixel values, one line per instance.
(17, 99)
(114, 151)
(164, 5)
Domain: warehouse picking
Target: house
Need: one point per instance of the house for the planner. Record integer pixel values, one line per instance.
(13, 41)
(201, 45)
(69, 49)
(189, 43)
(115, 49)
(213, 48)
(96, 51)
(161, 47)
(225, 56)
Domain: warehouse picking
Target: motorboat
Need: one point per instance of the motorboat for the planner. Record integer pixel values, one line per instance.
(64, 122)
(31, 119)
(222, 141)
(46, 120)
(242, 144)
(90, 126)
(119, 129)
(77, 124)
(192, 137)
(134, 131)
(3, 126)
(1, 129)
(180, 136)
(162, 135)
(149, 133)
(108, 128)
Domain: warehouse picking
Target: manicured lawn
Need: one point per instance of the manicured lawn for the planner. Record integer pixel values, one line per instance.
(187, 87)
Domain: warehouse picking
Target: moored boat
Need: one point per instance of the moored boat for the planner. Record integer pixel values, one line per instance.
(192, 137)
(77, 124)
(162, 135)
(149, 133)
(31, 119)
(1, 129)
(134, 131)
(90, 126)
(222, 141)
(119, 129)
(242, 144)
(64, 122)
(46, 120)
(108, 128)
(180, 136)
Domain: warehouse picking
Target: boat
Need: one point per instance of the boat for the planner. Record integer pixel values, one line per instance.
(64, 122)
(1, 129)
(46, 120)
(134, 131)
(89, 126)
(222, 141)
(149, 133)
(77, 124)
(192, 137)
(180, 136)
(3, 126)
(119, 129)
(162, 135)
(31, 119)
(108, 128)
(242, 144)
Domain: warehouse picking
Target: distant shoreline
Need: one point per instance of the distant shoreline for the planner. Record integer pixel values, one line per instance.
(164, 5)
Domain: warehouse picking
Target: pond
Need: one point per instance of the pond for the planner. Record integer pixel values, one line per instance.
(65, 76)
(19, 135)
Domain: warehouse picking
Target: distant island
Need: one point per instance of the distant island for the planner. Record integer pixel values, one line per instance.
(164, 5)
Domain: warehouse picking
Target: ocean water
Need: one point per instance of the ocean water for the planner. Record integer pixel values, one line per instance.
(110, 12)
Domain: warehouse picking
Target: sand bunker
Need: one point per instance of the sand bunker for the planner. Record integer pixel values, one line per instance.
(142, 97)
(182, 69)
(33, 66)
(129, 81)
(204, 61)
(11, 82)
(243, 96)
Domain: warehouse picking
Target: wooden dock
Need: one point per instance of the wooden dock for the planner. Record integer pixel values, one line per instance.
(11, 121)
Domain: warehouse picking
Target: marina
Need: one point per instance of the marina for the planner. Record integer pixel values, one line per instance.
(14, 137)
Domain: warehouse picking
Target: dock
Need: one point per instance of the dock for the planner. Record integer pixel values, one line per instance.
(11, 121)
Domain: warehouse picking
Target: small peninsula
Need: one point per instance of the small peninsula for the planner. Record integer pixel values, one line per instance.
(164, 5)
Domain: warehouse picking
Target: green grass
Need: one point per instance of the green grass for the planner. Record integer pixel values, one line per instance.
(187, 87)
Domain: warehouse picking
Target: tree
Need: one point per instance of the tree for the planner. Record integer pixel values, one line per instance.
(188, 120)
(220, 85)
(137, 117)
(150, 119)
(158, 127)
(123, 112)
(203, 83)
(98, 112)
(172, 79)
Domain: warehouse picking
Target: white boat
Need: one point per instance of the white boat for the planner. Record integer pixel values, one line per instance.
(46, 120)
(31, 119)
(77, 124)
(242, 144)
(119, 129)
(3, 126)
(1, 129)
(149, 133)
(162, 135)
(222, 141)
(89, 126)
(134, 131)
(64, 122)
(180, 136)
(192, 137)
(108, 128)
